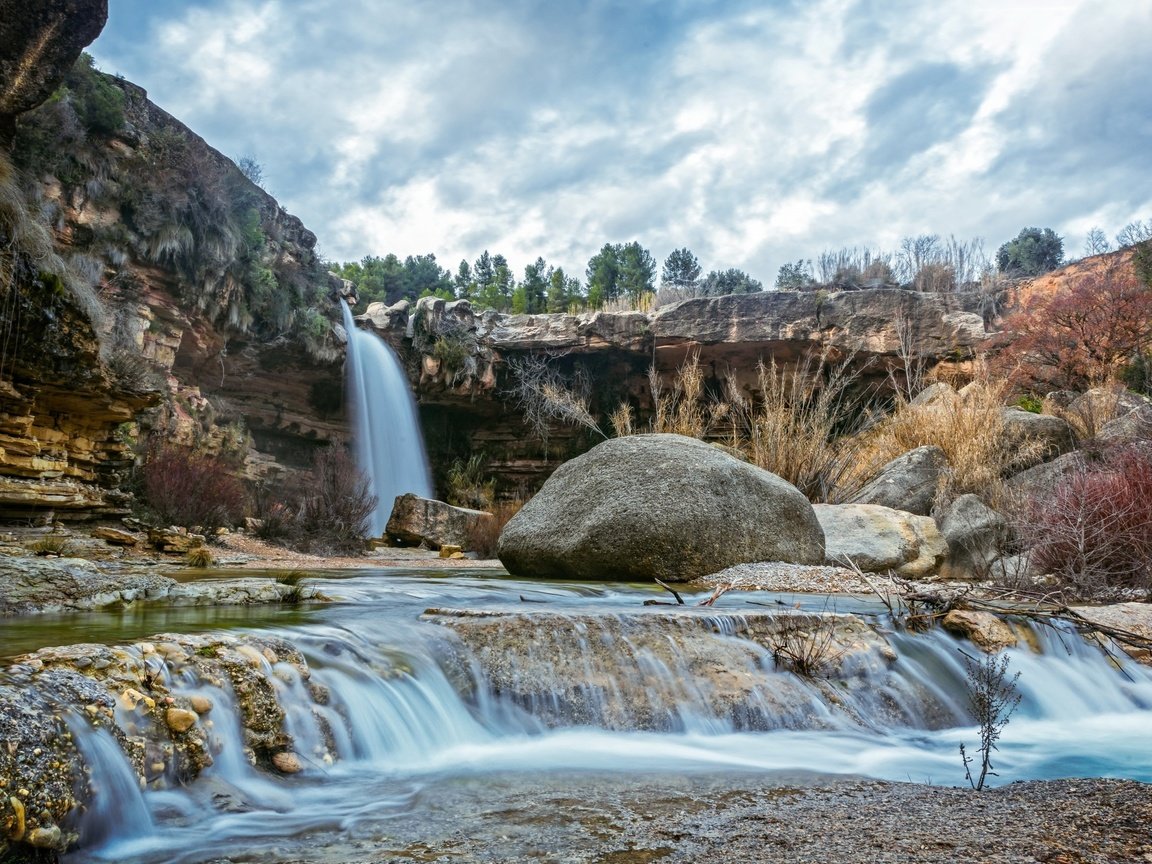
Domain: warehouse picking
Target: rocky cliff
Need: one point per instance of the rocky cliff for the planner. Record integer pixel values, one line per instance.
(148, 286)
(465, 364)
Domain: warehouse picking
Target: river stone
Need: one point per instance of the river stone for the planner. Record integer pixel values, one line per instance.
(417, 520)
(976, 536)
(982, 629)
(51, 585)
(658, 506)
(881, 540)
(180, 719)
(908, 482)
(287, 762)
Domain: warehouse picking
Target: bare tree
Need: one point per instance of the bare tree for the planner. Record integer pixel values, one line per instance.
(993, 698)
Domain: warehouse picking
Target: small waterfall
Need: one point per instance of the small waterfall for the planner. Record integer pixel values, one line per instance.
(389, 446)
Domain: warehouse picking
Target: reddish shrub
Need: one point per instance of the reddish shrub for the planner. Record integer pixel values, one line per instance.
(184, 487)
(1095, 532)
(1081, 336)
(335, 505)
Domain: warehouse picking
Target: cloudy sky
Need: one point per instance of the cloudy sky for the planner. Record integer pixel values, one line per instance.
(753, 133)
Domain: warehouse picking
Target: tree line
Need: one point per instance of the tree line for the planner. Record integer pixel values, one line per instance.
(620, 273)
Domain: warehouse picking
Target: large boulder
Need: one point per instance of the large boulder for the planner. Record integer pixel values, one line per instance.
(658, 506)
(881, 540)
(908, 482)
(417, 520)
(1042, 481)
(976, 536)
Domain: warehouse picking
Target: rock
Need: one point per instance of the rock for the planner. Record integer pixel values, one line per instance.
(70, 584)
(1095, 409)
(114, 536)
(46, 837)
(880, 539)
(658, 506)
(611, 682)
(1132, 427)
(908, 482)
(416, 520)
(1132, 617)
(1041, 481)
(976, 535)
(39, 42)
(1039, 437)
(982, 629)
(180, 719)
(448, 551)
(200, 704)
(174, 541)
(287, 763)
(940, 392)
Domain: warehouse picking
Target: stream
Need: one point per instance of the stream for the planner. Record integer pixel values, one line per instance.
(515, 692)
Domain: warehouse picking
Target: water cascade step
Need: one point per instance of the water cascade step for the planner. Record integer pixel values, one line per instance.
(337, 724)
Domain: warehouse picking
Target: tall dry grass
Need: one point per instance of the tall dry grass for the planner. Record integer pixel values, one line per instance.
(967, 425)
(686, 408)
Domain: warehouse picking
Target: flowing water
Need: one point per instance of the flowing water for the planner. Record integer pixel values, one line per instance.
(555, 685)
(389, 446)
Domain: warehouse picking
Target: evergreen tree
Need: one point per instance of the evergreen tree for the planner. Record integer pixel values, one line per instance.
(637, 271)
(535, 286)
(1031, 253)
(562, 290)
(681, 270)
(463, 280)
(731, 281)
(603, 274)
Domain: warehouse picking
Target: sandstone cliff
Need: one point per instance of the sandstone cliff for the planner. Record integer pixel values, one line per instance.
(147, 285)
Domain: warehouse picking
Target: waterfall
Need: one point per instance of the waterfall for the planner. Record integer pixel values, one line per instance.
(389, 446)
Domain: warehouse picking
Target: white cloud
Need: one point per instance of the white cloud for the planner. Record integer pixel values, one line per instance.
(752, 134)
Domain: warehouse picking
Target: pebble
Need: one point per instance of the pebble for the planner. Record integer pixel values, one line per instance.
(287, 763)
(45, 837)
(200, 704)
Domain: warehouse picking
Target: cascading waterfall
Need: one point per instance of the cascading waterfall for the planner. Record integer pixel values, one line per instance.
(389, 446)
(392, 704)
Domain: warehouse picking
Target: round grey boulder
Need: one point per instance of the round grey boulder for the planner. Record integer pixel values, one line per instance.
(658, 506)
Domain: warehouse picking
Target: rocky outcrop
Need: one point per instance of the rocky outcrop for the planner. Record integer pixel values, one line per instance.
(40, 585)
(417, 520)
(881, 540)
(658, 506)
(138, 695)
(464, 363)
(39, 42)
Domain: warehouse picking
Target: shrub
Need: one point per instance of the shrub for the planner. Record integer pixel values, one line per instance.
(467, 486)
(199, 557)
(485, 533)
(1095, 532)
(336, 503)
(184, 487)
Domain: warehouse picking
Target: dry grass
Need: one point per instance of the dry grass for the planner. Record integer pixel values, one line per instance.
(485, 533)
(794, 428)
(968, 426)
(686, 409)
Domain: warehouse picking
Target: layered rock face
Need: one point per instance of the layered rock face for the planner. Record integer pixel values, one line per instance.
(152, 288)
(465, 364)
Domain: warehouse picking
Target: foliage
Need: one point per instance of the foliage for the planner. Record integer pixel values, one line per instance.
(336, 501)
(1094, 533)
(545, 396)
(796, 426)
(1081, 335)
(805, 648)
(993, 699)
(252, 170)
(681, 270)
(484, 534)
(201, 557)
(182, 486)
(1033, 251)
(621, 269)
(795, 276)
(467, 486)
(686, 408)
(732, 281)
(389, 280)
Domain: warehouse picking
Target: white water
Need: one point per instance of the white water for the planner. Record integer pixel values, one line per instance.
(389, 446)
(411, 716)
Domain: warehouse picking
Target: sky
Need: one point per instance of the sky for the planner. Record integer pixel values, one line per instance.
(752, 133)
